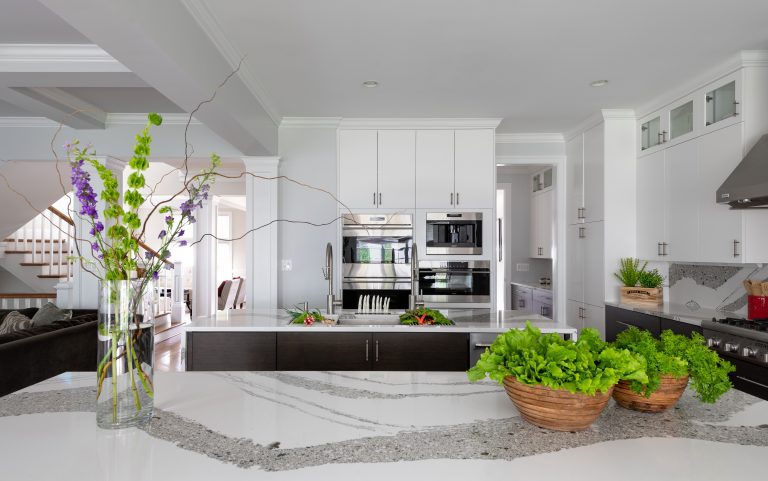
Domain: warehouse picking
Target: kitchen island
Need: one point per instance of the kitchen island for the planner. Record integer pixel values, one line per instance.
(364, 425)
(260, 340)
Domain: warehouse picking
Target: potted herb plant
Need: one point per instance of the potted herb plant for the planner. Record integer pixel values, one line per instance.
(554, 383)
(670, 361)
(640, 286)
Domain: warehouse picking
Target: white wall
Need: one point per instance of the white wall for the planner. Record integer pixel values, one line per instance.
(307, 154)
(11, 284)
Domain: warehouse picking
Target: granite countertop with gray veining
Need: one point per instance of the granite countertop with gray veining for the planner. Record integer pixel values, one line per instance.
(466, 320)
(676, 312)
(364, 425)
(533, 286)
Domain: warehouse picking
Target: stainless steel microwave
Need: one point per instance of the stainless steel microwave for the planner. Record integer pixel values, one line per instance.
(459, 233)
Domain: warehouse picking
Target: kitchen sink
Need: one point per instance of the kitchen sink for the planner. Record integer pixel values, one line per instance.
(369, 320)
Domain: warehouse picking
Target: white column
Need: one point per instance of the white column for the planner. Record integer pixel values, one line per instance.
(204, 281)
(84, 293)
(178, 311)
(261, 245)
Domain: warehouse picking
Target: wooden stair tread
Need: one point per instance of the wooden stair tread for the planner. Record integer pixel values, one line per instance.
(36, 241)
(52, 276)
(10, 251)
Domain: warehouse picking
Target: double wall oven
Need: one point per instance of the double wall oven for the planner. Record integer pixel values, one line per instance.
(376, 258)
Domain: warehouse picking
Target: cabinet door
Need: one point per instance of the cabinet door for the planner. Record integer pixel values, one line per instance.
(721, 228)
(678, 327)
(397, 169)
(434, 169)
(542, 301)
(618, 320)
(594, 273)
(723, 102)
(475, 164)
(682, 172)
(230, 351)
(574, 178)
(358, 155)
(574, 314)
(650, 206)
(755, 233)
(593, 174)
(420, 351)
(594, 317)
(324, 351)
(545, 223)
(575, 259)
(535, 229)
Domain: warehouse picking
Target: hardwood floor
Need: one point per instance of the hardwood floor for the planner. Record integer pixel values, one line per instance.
(169, 354)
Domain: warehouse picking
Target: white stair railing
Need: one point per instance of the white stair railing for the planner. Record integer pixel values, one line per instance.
(25, 300)
(45, 241)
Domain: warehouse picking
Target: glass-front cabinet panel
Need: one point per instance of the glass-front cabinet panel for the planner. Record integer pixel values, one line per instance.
(650, 133)
(547, 178)
(681, 120)
(542, 180)
(721, 103)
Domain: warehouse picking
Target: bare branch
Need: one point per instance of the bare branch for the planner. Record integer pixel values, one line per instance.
(274, 221)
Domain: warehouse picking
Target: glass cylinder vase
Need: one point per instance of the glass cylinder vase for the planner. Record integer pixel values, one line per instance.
(125, 389)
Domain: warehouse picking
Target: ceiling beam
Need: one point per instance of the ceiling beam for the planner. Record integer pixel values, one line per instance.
(164, 45)
(58, 105)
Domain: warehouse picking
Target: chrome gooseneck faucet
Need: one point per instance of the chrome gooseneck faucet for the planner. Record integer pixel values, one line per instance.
(413, 299)
(330, 303)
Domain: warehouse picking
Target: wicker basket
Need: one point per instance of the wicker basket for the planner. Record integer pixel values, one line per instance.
(555, 409)
(669, 392)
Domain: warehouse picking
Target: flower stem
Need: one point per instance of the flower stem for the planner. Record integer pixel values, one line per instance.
(113, 349)
(131, 354)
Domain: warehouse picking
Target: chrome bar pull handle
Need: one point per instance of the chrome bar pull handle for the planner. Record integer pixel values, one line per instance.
(451, 198)
(582, 232)
(658, 249)
(374, 198)
(366, 350)
(377, 351)
(664, 137)
(457, 198)
(379, 198)
(736, 248)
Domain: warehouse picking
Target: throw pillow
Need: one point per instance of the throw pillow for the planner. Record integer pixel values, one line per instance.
(15, 321)
(49, 314)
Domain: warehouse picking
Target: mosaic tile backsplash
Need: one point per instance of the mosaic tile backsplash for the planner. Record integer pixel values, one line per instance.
(713, 286)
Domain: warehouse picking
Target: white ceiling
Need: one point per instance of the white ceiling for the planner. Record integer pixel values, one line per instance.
(529, 62)
(125, 99)
(27, 21)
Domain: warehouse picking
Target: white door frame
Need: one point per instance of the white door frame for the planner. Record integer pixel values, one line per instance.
(559, 261)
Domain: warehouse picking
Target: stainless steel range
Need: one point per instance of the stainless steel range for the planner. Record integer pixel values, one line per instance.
(744, 343)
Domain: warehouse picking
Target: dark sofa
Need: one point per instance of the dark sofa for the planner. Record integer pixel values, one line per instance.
(36, 354)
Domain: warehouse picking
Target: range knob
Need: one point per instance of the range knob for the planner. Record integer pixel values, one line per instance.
(731, 347)
(713, 342)
(748, 352)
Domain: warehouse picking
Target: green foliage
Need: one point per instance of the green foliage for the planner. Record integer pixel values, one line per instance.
(586, 366)
(657, 361)
(629, 272)
(650, 279)
(423, 316)
(708, 371)
(301, 316)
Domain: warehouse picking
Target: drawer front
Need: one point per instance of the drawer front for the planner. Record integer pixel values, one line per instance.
(543, 296)
(231, 351)
(679, 327)
(618, 320)
(420, 351)
(324, 351)
(478, 343)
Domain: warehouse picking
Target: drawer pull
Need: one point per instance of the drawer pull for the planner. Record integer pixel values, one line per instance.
(366, 350)
(480, 345)
(377, 351)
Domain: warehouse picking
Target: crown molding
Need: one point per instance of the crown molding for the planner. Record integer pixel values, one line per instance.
(529, 159)
(141, 119)
(532, 138)
(310, 122)
(210, 25)
(45, 57)
(742, 59)
(427, 123)
(23, 122)
(592, 121)
(261, 164)
(612, 114)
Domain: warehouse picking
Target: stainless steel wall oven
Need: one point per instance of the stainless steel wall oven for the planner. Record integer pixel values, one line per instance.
(452, 282)
(376, 258)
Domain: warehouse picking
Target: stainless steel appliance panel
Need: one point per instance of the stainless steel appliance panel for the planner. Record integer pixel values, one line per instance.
(466, 282)
(454, 233)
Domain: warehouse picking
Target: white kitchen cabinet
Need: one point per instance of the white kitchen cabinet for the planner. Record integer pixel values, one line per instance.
(396, 169)
(575, 261)
(652, 131)
(592, 241)
(434, 169)
(594, 141)
(755, 234)
(541, 225)
(358, 156)
(651, 206)
(720, 234)
(574, 174)
(594, 317)
(722, 100)
(681, 174)
(474, 168)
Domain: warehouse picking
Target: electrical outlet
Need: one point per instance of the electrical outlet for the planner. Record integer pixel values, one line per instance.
(286, 265)
(522, 267)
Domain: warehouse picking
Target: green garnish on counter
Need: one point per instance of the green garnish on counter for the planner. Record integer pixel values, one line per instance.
(423, 317)
(308, 318)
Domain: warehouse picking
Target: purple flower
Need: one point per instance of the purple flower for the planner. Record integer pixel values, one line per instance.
(181, 232)
(97, 227)
(162, 234)
(169, 219)
(191, 220)
(95, 247)
(81, 182)
(182, 243)
(148, 255)
(68, 145)
(100, 256)
(155, 275)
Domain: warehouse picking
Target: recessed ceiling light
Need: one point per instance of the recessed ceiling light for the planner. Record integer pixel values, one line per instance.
(370, 84)
(598, 83)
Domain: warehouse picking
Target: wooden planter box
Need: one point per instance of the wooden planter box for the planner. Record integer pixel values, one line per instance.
(669, 392)
(642, 295)
(555, 409)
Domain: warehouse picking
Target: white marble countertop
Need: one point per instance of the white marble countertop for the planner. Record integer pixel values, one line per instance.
(466, 320)
(676, 312)
(542, 287)
(364, 425)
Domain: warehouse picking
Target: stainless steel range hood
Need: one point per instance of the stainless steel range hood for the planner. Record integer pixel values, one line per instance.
(747, 186)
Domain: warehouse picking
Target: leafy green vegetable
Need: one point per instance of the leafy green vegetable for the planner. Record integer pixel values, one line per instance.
(650, 279)
(300, 316)
(658, 362)
(629, 272)
(422, 316)
(586, 366)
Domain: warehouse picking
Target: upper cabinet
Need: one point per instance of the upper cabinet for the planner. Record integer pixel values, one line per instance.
(574, 174)
(585, 176)
(409, 168)
(541, 181)
(722, 100)
(542, 216)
